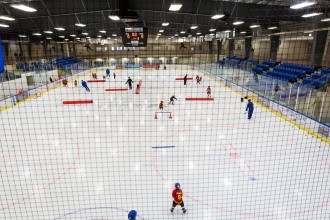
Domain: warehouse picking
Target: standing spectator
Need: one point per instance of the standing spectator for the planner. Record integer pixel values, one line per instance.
(51, 80)
(249, 108)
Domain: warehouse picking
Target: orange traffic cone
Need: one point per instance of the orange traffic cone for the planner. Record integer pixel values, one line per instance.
(155, 116)
(170, 115)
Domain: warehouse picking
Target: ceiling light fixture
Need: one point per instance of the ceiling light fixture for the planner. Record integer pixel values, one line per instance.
(227, 31)
(23, 7)
(59, 29)
(255, 26)
(161, 31)
(238, 22)
(159, 34)
(311, 15)
(103, 31)
(80, 25)
(175, 7)
(48, 32)
(36, 34)
(114, 35)
(48, 38)
(22, 35)
(114, 17)
(4, 25)
(302, 5)
(99, 36)
(88, 37)
(73, 35)
(243, 32)
(325, 19)
(212, 29)
(218, 16)
(61, 36)
(78, 38)
(7, 18)
(165, 24)
(84, 33)
(176, 35)
(182, 32)
(198, 33)
(194, 27)
(272, 28)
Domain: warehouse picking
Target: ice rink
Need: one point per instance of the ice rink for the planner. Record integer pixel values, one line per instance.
(98, 161)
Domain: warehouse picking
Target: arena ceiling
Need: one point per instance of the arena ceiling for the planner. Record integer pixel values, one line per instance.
(152, 13)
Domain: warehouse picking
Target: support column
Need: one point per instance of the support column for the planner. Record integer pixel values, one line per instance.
(219, 47)
(248, 46)
(231, 46)
(274, 44)
(319, 42)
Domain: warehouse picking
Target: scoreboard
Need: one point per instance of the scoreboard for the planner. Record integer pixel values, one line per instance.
(135, 36)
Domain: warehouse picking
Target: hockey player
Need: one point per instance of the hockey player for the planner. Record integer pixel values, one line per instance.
(208, 91)
(107, 72)
(185, 79)
(197, 79)
(161, 105)
(84, 84)
(177, 197)
(132, 215)
(75, 83)
(249, 108)
(129, 81)
(114, 75)
(172, 100)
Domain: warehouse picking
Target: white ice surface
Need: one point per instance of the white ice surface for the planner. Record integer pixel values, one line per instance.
(97, 162)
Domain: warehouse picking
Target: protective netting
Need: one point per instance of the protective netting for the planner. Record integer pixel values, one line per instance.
(91, 129)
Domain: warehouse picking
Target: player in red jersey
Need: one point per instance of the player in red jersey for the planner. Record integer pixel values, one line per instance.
(177, 198)
(208, 91)
(161, 105)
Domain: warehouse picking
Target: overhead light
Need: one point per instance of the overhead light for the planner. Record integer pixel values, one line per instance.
(243, 32)
(193, 27)
(238, 22)
(7, 18)
(218, 16)
(189, 35)
(22, 35)
(78, 38)
(175, 7)
(23, 7)
(115, 38)
(311, 15)
(325, 19)
(176, 35)
(48, 32)
(103, 31)
(59, 29)
(66, 39)
(114, 35)
(114, 17)
(272, 28)
(159, 34)
(85, 33)
(73, 35)
(80, 25)
(161, 31)
(36, 34)
(4, 25)
(108, 38)
(99, 36)
(255, 26)
(201, 36)
(198, 33)
(88, 37)
(302, 5)
(48, 38)
(227, 31)
(165, 24)
(182, 32)
(61, 36)
(212, 29)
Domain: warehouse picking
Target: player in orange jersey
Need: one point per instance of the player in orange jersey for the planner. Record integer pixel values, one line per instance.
(208, 91)
(161, 105)
(177, 197)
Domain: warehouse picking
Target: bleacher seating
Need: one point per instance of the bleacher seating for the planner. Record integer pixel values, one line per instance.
(33, 66)
(264, 66)
(306, 68)
(66, 61)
